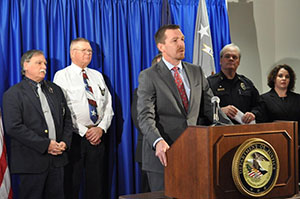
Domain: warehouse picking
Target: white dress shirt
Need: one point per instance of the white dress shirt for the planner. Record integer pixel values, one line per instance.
(71, 81)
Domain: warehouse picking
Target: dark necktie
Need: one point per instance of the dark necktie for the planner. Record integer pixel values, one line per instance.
(180, 87)
(90, 98)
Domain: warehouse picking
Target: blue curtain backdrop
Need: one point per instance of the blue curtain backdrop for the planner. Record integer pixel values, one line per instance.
(219, 27)
(122, 37)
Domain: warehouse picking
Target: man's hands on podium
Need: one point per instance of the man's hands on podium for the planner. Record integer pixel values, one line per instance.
(160, 151)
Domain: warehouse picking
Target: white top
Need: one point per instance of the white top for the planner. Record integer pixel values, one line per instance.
(71, 81)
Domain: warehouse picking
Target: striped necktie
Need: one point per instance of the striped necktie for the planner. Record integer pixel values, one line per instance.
(90, 98)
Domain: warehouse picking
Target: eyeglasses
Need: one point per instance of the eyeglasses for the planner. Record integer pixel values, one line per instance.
(87, 51)
(228, 56)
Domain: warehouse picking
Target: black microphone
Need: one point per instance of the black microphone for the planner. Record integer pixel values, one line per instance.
(215, 100)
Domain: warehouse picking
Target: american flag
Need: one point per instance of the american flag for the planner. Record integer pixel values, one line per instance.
(5, 186)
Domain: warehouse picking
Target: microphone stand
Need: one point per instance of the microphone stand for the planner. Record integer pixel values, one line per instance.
(216, 122)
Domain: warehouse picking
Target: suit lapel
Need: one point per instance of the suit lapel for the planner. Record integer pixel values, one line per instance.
(168, 78)
(190, 76)
(28, 90)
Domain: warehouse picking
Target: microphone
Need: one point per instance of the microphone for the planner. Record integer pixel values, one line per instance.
(215, 100)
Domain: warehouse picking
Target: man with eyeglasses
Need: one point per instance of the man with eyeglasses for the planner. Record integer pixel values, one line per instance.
(236, 92)
(91, 107)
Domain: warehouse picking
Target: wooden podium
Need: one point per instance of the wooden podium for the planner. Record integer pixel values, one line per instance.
(200, 161)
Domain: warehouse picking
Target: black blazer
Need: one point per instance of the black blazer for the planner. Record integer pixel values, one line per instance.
(272, 107)
(24, 122)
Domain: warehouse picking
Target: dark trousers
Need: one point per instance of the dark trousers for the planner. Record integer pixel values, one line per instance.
(46, 185)
(86, 165)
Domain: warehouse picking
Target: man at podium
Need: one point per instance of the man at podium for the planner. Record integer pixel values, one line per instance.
(172, 95)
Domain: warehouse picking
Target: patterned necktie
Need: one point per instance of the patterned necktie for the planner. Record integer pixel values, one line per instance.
(47, 113)
(90, 98)
(180, 88)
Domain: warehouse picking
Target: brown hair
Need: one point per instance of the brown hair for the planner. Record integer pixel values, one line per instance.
(154, 60)
(160, 34)
(273, 75)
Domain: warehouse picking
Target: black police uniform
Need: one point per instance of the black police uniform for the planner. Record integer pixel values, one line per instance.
(239, 91)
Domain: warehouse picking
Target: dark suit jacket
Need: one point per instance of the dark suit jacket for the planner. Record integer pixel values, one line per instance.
(272, 107)
(161, 113)
(24, 122)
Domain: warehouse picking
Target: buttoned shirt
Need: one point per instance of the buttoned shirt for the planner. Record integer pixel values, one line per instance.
(182, 74)
(71, 81)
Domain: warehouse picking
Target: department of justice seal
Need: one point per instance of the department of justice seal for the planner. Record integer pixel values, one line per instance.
(255, 167)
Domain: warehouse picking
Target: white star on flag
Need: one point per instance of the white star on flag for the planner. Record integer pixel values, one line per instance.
(203, 52)
(93, 113)
(203, 31)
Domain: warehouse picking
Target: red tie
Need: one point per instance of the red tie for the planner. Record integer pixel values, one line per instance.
(180, 88)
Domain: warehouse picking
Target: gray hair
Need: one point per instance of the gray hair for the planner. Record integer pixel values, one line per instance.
(228, 46)
(74, 41)
(27, 56)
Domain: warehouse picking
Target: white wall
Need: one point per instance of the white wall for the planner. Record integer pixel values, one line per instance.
(268, 33)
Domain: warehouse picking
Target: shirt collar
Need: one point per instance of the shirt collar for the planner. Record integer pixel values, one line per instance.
(34, 83)
(77, 69)
(170, 66)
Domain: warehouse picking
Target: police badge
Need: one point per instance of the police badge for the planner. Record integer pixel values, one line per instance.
(102, 90)
(243, 86)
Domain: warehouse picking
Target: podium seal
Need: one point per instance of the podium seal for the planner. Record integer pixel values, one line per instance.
(255, 167)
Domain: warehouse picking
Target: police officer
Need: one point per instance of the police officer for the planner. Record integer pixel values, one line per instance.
(236, 92)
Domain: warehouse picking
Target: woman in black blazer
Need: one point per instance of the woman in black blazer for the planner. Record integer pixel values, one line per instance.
(280, 103)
